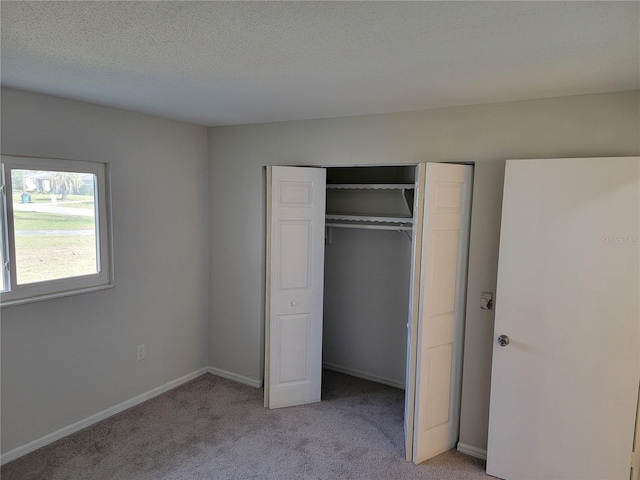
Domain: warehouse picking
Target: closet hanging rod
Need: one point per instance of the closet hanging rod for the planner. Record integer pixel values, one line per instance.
(371, 186)
(369, 218)
(398, 228)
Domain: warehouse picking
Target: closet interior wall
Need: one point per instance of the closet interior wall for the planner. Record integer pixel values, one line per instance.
(367, 278)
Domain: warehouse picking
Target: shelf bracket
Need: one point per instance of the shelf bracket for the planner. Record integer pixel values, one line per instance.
(408, 194)
(327, 235)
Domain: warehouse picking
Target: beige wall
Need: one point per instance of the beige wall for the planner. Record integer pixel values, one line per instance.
(66, 359)
(579, 126)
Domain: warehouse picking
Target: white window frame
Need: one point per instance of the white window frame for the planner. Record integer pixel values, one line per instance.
(20, 294)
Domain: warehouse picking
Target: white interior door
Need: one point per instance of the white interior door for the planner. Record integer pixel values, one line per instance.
(443, 277)
(295, 273)
(564, 390)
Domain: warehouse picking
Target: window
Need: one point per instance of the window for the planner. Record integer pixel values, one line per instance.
(54, 229)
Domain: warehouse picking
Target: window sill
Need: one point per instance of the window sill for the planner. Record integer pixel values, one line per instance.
(51, 296)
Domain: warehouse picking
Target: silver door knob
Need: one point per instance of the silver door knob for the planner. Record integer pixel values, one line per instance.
(503, 340)
(294, 303)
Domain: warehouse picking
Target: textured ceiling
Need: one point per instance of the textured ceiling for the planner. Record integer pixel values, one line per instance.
(220, 63)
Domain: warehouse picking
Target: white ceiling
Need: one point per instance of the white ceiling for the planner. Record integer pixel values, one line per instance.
(222, 63)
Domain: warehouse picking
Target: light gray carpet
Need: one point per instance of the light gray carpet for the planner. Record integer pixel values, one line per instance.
(213, 428)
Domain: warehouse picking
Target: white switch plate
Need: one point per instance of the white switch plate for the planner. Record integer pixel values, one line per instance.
(140, 352)
(486, 300)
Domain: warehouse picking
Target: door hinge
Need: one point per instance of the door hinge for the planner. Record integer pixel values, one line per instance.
(2, 189)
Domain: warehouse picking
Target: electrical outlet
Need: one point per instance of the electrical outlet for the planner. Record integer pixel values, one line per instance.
(140, 352)
(486, 300)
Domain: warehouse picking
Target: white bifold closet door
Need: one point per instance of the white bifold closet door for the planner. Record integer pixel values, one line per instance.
(294, 297)
(437, 379)
(295, 275)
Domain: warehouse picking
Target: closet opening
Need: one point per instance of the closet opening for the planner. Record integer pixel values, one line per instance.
(367, 271)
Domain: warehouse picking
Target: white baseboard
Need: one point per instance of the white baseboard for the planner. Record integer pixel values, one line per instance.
(363, 375)
(235, 377)
(473, 451)
(74, 427)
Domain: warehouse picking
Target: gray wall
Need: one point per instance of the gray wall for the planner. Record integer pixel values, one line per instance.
(66, 359)
(579, 126)
(366, 303)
